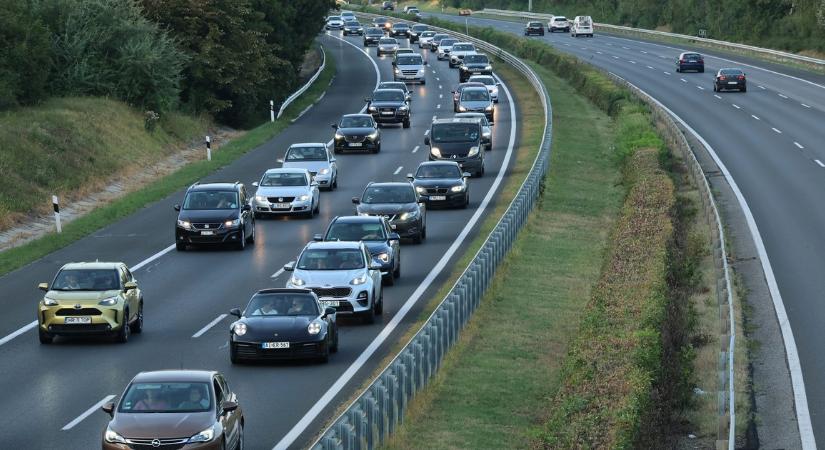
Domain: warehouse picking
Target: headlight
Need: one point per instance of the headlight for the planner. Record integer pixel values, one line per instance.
(473, 151)
(111, 301)
(421, 189)
(373, 109)
(486, 134)
(463, 67)
(239, 329)
(373, 136)
(184, 224)
(314, 328)
(421, 71)
(112, 436)
(397, 70)
(402, 108)
(204, 436)
(303, 198)
(261, 198)
(459, 188)
(339, 136)
(296, 281)
(383, 257)
(489, 108)
(359, 280)
(323, 171)
(409, 215)
(232, 223)
(462, 108)
(488, 67)
(435, 151)
(49, 302)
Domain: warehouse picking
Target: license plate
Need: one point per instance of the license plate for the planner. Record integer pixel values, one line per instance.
(281, 206)
(330, 303)
(732, 82)
(207, 233)
(438, 197)
(355, 144)
(387, 113)
(269, 345)
(78, 320)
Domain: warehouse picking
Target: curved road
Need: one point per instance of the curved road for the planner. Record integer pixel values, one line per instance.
(48, 389)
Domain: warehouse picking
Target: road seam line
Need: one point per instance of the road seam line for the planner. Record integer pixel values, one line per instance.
(87, 413)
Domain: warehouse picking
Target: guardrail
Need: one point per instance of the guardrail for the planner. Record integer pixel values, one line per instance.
(306, 86)
(378, 410)
(774, 53)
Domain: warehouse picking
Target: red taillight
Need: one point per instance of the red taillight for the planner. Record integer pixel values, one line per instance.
(702, 61)
(722, 78)
(741, 77)
(682, 61)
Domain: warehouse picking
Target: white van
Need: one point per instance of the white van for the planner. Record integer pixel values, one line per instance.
(582, 26)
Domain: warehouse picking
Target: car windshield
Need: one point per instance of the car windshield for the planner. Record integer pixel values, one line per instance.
(428, 34)
(463, 47)
(447, 42)
(283, 179)
(560, 19)
(388, 96)
(419, 28)
(334, 18)
(86, 280)
(454, 132)
(387, 41)
(211, 200)
(388, 194)
(281, 304)
(372, 231)
(414, 60)
(731, 72)
(400, 26)
(475, 95)
(306, 154)
(352, 24)
(438, 171)
(173, 397)
(331, 259)
(534, 24)
(439, 37)
(356, 122)
(692, 56)
(476, 59)
(375, 31)
(392, 85)
(488, 81)
(585, 21)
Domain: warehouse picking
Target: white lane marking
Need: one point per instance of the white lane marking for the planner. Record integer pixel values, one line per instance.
(626, 48)
(567, 45)
(761, 87)
(362, 359)
(615, 57)
(434, 117)
(662, 56)
(321, 97)
(798, 144)
(599, 53)
(437, 79)
(208, 326)
(440, 86)
(783, 96)
(644, 52)
(700, 88)
(735, 106)
(820, 163)
(438, 106)
(152, 258)
(434, 71)
(87, 413)
(22, 330)
(278, 273)
(777, 131)
(803, 415)
(650, 67)
(668, 73)
(416, 148)
(398, 170)
(757, 118)
(440, 95)
(683, 80)
(632, 62)
(720, 98)
(804, 105)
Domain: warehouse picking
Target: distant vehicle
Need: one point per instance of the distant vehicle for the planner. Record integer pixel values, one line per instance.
(444, 48)
(372, 36)
(382, 22)
(215, 213)
(464, 12)
(378, 235)
(357, 132)
(409, 7)
(175, 409)
(400, 203)
(486, 127)
(582, 26)
(490, 82)
(388, 6)
(409, 68)
(279, 324)
(459, 51)
(348, 16)
(457, 140)
(353, 27)
(436, 40)
(389, 106)
(414, 12)
(387, 45)
(476, 99)
(334, 23)
(425, 37)
(534, 28)
(474, 64)
(441, 183)
(457, 91)
(400, 29)
(730, 79)
(402, 51)
(558, 23)
(90, 299)
(315, 158)
(286, 191)
(690, 61)
(397, 85)
(416, 31)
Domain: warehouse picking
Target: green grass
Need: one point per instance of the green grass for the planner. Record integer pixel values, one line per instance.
(494, 385)
(17, 257)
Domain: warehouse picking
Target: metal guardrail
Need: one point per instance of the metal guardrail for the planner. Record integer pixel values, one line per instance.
(376, 413)
(306, 86)
(774, 53)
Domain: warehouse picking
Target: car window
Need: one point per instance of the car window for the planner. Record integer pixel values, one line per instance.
(86, 280)
(352, 24)
(284, 179)
(224, 385)
(559, 19)
(334, 18)
(475, 95)
(438, 171)
(476, 59)
(454, 132)
(447, 42)
(387, 41)
(355, 122)
(306, 154)
(174, 397)
(389, 96)
(129, 275)
(731, 72)
(374, 31)
(392, 85)
(428, 34)
(339, 231)
(281, 304)
(201, 200)
(218, 392)
(413, 60)
(331, 259)
(463, 47)
(389, 194)
(534, 24)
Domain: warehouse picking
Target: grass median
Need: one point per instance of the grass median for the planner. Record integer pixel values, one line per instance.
(83, 226)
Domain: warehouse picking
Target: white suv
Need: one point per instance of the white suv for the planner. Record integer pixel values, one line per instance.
(582, 26)
(459, 50)
(558, 23)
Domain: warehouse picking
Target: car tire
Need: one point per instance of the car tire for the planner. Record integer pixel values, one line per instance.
(137, 327)
(702, 70)
(678, 69)
(744, 89)
(318, 206)
(406, 123)
(44, 337)
(251, 238)
(369, 316)
(379, 307)
(418, 238)
(466, 201)
(423, 82)
(180, 246)
(241, 244)
(323, 358)
(334, 184)
(388, 280)
(334, 347)
(123, 334)
(396, 271)
(240, 445)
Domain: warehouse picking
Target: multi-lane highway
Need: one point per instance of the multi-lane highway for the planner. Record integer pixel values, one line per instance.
(52, 393)
(771, 140)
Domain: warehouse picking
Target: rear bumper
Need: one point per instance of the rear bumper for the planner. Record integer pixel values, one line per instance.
(725, 85)
(691, 66)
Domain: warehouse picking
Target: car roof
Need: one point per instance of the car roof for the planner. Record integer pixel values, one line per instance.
(159, 376)
(468, 84)
(456, 120)
(387, 89)
(334, 245)
(288, 170)
(464, 42)
(284, 291)
(439, 163)
(474, 88)
(471, 115)
(389, 183)
(359, 115)
(308, 144)
(399, 24)
(91, 265)
(394, 83)
(214, 186)
(358, 219)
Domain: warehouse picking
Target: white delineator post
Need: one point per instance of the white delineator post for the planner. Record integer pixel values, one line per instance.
(272, 110)
(208, 148)
(56, 207)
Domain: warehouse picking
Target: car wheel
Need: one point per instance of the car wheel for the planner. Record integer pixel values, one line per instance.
(388, 280)
(335, 181)
(323, 358)
(715, 88)
(379, 307)
(466, 201)
(137, 327)
(678, 69)
(423, 82)
(369, 316)
(251, 238)
(318, 206)
(745, 89)
(418, 238)
(45, 337)
(406, 123)
(334, 347)
(180, 246)
(233, 355)
(123, 334)
(240, 445)
(702, 70)
(241, 244)
(396, 272)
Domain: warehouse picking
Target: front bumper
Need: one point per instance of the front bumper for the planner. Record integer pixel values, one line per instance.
(353, 31)
(396, 117)
(331, 26)
(220, 235)
(215, 444)
(529, 31)
(357, 301)
(386, 50)
(295, 207)
(370, 41)
(418, 77)
(465, 74)
(342, 145)
(452, 199)
(102, 319)
(249, 349)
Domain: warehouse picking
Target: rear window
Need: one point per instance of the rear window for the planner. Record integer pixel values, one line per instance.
(375, 31)
(559, 19)
(387, 41)
(731, 72)
(534, 24)
(400, 25)
(334, 18)
(448, 42)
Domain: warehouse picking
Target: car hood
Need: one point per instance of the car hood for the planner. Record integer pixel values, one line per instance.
(376, 247)
(277, 328)
(356, 131)
(410, 67)
(386, 208)
(282, 191)
(161, 425)
(387, 104)
(81, 297)
(455, 148)
(476, 65)
(312, 166)
(437, 182)
(474, 104)
(327, 278)
(208, 215)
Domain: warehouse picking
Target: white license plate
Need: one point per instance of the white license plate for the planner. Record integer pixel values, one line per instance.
(732, 82)
(438, 197)
(281, 206)
(355, 144)
(330, 303)
(387, 113)
(275, 345)
(207, 233)
(78, 320)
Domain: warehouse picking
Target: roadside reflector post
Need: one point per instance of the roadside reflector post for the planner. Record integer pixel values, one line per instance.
(56, 207)
(272, 110)
(208, 148)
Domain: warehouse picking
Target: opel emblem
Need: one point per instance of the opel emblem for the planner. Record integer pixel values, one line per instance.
(77, 306)
(155, 443)
(454, 156)
(280, 199)
(206, 226)
(275, 334)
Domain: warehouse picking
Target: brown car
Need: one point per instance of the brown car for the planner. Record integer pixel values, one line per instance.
(181, 409)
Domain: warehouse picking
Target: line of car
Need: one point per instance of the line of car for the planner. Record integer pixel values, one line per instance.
(579, 26)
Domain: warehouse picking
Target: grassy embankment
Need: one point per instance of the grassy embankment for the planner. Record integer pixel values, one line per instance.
(66, 143)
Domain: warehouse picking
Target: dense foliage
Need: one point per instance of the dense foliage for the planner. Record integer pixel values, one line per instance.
(794, 25)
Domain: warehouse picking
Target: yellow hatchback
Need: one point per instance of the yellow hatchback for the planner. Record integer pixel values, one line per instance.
(100, 298)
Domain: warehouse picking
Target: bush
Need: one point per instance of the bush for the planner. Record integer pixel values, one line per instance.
(25, 56)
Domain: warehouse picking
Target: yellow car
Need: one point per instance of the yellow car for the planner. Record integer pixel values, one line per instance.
(90, 298)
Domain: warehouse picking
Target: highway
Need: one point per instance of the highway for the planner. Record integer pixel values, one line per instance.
(51, 393)
(771, 140)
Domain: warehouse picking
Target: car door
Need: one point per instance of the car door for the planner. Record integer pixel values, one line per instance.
(246, 214)
(132, 295)
(233, 417)
(333, 167)
(225, 418)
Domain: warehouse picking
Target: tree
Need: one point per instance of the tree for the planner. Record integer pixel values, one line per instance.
(25, 55)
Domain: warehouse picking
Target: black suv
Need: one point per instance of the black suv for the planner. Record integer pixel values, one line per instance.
(356, 132)
(215, 213)
(441, 183)
(399, 203)
(397, 85)
(477, 64)
(457, 140)
(376, 233)
(389, 106)
(415, 31)
(372, 35)
(400, 29)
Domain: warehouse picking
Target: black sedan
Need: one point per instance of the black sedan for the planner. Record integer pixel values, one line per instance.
(730, 79)
(400, 29)
(377, 234)
(280, 324)
(534, 28)
(690, 61)
(389, 106)
(357, 132)
(441, 183)
(353, 27)
(399, 203)
(477, 64)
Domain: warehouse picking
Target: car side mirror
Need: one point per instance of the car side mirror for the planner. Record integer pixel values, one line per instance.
(290, 266)
(335, 126)
(235, 312)
(43, 287)
(356, 200)
(109, 408)
(129, 285)
(247, 207)
(367, 99)
(329, 311)
(466, 175)
(395, 237)
(177, 207)
(410, 176)
(318, 237)
(255, 183)
(314, 184)
(375, 266)
(279, 160)
(228, 406)
(427, 140)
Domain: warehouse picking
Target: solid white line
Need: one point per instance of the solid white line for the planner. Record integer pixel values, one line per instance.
(798, 144)
(152, 258)
(783, 96)
(735, 106)
(720, 98)
(804, 105)
(208, 326)
(757, 118)
(362, 359)
(88, 412)
(820, 163)
(778, 131)
(22, 330)
(398, 170)
(278, 273)
(415, 149)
